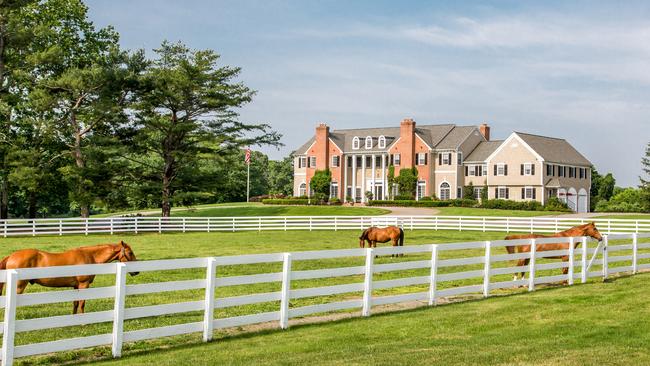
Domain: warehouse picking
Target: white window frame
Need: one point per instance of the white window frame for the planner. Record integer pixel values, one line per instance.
(368, 143)
(528, 169)
(332, 188)
(484, 170)
(338, 161)
(422, 158)
(421, 190)
(381, 143)
(355, 143)
(397, 159)
(499, 195)
(528, 190)
(501, 170)
(459, 158)
(302, 189)
(471, 170)
(448, 188)
(446, 158)
(477, 193)
(302, 162)
(312, 161)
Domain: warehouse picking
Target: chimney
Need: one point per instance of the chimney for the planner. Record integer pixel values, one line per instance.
(485, 131)
(322, 146)
(407, 141)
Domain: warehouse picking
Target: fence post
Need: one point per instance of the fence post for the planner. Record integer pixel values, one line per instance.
(367, 283)
(61, 227)
(507, 225)
(259, 224)
(411, 223)
(605, 258)
(233, 224)
(460, 224)
(285, 223)
(585, 253)
(571, 260)
(208, 316)
(208, 224)
(34, 227)
(483, 223)
(9, 325)
(531, 265)
(5, 233)
(532, 225)
(160, 225)
(118, 309)
(309, 223)
(335, 224)
(433, 284)
(135, 224)
(486, 269)
(183, 224)
(635, 250)
(286, 291)
(435, 225)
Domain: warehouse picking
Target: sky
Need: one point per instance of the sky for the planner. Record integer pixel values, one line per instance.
(576, 70)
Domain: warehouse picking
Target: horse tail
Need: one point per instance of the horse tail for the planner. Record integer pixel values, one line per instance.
(3, 265)
(401, 237)
(364, 234)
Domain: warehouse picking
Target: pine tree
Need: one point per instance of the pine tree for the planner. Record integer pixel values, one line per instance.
(645, 182)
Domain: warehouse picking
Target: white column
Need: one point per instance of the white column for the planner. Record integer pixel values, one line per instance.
(363, 178)
(383, 175)
(344, 165)
(372, 181)
(354, 178)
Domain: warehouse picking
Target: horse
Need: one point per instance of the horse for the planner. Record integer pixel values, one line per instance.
(373, 235)
(103, 253)
(580, 230)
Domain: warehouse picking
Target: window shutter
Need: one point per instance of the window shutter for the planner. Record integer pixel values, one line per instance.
(466, 170)
(523, 192)
(532, 169)
(449, 158)
(439, 159)
(534, 193)
(505, 169)
(522, 169)
(426, 158)
(507, 193)
(496, 193)
(495, 169)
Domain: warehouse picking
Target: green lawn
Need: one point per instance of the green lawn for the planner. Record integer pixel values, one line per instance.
(259, 210)
(154, 246)
(470, 211)
(626, 217)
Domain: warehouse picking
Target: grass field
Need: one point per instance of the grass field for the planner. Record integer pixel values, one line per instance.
(626, 217)
(338, 348)
(470, 211)
(260, 210)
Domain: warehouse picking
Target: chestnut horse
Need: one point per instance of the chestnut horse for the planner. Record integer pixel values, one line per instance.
(580, 230)
(374, 235)
(103, 253)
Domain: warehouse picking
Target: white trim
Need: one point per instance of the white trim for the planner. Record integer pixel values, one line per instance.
(392, 144)
(501, 165)
(381, 139)
(507, 141)
(526, 188)
(499, 193)
(440, 189)
(332, 161)
(307, 149)
(334, 143)
(358, 140)
(365, 143)
(424, 142)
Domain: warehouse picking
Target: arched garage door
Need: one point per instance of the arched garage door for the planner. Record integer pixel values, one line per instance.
(572, 199)
(583, 201)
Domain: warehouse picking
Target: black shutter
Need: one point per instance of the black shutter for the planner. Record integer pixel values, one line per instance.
(495, 170)
(450, 159)
(532, 169)
(466, 170)
(522, 169)
(523, 193)
(534, 193)
(426, 158)
(439, 159)
(496, 193)
(505, 169)
(507, 193)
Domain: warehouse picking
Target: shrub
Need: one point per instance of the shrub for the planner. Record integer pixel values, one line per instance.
(521, 205)
(554, 204)
(407, 182)
(334, 201)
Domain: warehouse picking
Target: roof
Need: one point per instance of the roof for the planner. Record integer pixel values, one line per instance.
(554, 150)
(483, 150)
(553, 183)
(455, 137)
(303, 149)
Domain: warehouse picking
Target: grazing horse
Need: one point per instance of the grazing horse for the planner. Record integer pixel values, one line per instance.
(103, 253)
(374, 235)
(580, 230)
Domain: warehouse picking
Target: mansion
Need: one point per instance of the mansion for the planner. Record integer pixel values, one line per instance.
(447, 158)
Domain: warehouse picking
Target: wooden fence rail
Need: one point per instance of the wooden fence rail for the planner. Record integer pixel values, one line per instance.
(115, 225)
(578, 257)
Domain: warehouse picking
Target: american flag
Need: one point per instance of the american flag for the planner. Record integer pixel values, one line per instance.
(247, 159)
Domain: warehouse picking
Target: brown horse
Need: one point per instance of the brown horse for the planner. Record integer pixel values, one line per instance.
(580, 230)
(374, 235)
(29, 258)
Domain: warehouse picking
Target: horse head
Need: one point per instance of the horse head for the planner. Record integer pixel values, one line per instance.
(591, 230)
(126, 255)
(363, 237)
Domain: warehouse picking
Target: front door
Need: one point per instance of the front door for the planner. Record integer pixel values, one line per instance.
(379, 191)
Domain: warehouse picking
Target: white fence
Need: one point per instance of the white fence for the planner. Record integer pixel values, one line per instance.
(439, 268)
(284, 223)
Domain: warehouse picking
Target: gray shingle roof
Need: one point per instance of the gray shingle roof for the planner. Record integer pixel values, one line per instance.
(455, 137)
(554, 150)
(303, 149)
(483, 150)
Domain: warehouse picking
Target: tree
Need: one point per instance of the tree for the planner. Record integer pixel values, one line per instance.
(280, 176)
(645, 182)
(320, 183)
(606, 188)
(407, 182)
(391, 181)
(484, 192)
(468, 191)
(186, 112)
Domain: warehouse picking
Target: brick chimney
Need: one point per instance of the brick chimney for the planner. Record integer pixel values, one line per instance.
(485, 131)
(407, 141)
(322, 146)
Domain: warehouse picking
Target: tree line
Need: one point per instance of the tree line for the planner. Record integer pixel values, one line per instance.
(86, 125)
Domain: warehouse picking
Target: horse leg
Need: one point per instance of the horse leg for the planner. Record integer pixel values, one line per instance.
(565, 270)
(82, 303)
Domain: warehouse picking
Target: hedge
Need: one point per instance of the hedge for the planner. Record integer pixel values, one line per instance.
(425, 203)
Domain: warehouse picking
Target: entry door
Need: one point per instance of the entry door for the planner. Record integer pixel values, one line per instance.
(379, 191)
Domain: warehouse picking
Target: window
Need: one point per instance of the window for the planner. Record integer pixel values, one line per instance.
(582, 173)
(302, 162)
(445, 191)
(527, 169)
(528, 193)
(368, 142)
(378, 162)
(477, 193)
(501, 169)
(471, 170)
(421, 189)
(421, 159)
(335, 161)
(459, 192)
(312, 162)
(560, 171)
(444, 159)
(502, 193)
(549, 170)
(355, 143)
(303, 190)
(459, 158)
(334, 189)
(484, 170)
(572, 172)
(382, 142)
(396, 159)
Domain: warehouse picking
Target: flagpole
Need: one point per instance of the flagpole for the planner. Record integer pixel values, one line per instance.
(248, 181)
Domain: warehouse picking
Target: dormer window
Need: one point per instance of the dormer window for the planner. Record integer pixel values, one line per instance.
(382, 142)
(368, 142)
(355, 143)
